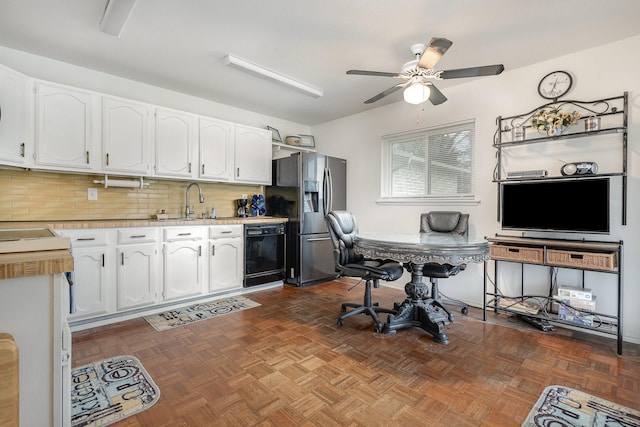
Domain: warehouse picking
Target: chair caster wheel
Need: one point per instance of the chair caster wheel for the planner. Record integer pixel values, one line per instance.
(340, 322)
(378, 328)
(465, 310)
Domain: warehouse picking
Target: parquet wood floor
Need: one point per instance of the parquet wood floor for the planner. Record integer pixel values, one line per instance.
(287, 363)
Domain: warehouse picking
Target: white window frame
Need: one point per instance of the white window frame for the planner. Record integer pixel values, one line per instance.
(434, 200)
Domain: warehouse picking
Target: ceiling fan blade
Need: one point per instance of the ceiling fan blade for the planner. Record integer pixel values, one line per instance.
(385, 93)
(372, 73)
(438, 46)
(436, 97)
(487, 70)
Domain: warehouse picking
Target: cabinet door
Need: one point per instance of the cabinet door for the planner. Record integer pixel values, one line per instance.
(125, 136)
(216, 150)
(90, 282)
(252, 155)
(182, 270)
(174, 144)
(12, 117)
(225, 264)
(63, 127)
(137, 271)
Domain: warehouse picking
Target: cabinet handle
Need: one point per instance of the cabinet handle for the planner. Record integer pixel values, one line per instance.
(513, 250)
(87, 156)
(189, 167)
(203, 169)
(184, 234)
(122, 258)
(103, 260)
(200, 250)
(576, 256)
(237, 172)
(107, 159)
(22, 150)
(138, 236)
(226, 232)
(213, 250)
(85, 239)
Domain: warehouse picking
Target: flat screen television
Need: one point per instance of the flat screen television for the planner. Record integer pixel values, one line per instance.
(564, 205)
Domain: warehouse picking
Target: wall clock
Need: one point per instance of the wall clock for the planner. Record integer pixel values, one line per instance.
(555, 84)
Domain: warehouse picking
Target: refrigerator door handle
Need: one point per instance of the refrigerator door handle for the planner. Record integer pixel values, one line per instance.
(327, 189)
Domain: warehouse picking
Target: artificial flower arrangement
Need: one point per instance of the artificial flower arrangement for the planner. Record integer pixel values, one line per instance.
(553, 118)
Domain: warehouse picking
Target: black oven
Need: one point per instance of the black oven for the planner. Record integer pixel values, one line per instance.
(264, 253)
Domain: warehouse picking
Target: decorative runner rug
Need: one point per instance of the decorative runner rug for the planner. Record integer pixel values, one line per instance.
(183, 316)
(565, 407)
(110, 390)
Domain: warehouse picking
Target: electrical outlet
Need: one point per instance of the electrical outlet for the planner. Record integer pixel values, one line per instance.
(92, 194)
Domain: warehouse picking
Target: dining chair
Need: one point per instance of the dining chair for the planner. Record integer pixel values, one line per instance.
(343, 229)
(446, 222)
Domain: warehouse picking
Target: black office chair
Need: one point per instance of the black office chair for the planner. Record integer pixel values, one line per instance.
(447, 222)
(343, 229)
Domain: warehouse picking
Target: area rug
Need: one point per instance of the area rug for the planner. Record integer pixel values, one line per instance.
(109, 390)
(565, 407)
(201, 311)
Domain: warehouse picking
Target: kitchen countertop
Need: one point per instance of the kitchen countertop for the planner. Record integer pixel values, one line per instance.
(119, 223)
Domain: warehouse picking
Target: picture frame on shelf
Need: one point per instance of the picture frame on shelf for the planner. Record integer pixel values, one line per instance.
(307, 141)
(275, 134)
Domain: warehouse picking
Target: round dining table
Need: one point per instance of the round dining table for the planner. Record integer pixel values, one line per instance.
(414, 250)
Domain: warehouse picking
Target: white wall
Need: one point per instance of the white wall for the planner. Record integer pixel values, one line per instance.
(598, 73)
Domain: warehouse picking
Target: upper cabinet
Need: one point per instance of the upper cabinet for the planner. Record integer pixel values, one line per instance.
(216, 150)
(125, 136)
(13, 131)
(64, 127)
(252, 155)
(174, 143)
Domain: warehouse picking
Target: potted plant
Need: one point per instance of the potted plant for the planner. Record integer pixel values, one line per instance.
(553, 120)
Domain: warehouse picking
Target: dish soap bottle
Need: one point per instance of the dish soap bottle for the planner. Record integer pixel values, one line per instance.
(213, 213)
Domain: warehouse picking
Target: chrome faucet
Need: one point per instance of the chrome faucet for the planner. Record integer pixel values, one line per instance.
(188, 211)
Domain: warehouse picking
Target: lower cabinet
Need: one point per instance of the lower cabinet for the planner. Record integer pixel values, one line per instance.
(226, 257)
(92, 290)
(137, 267)
(183, 260)
(133, 269)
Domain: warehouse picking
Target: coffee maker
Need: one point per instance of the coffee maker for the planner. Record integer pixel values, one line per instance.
(243, 210)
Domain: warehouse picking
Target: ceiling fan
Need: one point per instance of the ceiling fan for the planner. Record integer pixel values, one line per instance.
(417, 74)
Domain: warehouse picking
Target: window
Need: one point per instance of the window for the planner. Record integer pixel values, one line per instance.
(429, 164)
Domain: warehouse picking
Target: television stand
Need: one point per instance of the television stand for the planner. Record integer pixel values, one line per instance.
(596, 256)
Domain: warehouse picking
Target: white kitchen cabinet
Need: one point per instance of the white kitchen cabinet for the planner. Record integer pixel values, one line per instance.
(126, 145)
(13, 131)
(226, 257)
(175, 136)
(92, 290)
(216, 150)
(183, 261)
(137, 267)
(252, 155)
(64, 128)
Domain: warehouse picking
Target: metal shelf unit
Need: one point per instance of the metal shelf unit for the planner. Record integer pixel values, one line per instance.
(518, 250)
(612, 110)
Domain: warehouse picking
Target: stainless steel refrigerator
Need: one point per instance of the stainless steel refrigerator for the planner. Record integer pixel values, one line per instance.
(306, 186)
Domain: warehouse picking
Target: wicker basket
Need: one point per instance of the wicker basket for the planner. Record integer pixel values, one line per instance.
(582, 260)
(517, 254)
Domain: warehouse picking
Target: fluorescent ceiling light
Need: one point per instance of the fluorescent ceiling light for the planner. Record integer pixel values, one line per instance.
(244, 65)
(116, 16)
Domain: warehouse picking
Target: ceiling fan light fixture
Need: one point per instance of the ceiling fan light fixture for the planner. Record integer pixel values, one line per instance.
(417, 93)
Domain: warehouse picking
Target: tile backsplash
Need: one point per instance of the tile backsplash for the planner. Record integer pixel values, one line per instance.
(38, 196)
